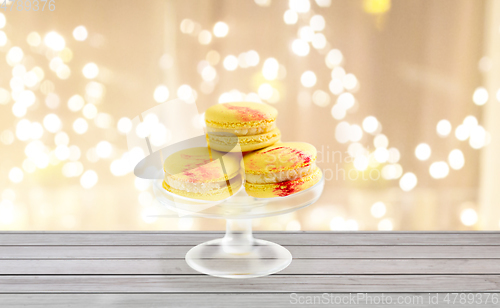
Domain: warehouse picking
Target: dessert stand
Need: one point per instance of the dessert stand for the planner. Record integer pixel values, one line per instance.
(238, 254)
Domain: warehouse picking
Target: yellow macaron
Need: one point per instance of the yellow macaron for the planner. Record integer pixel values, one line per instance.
(202, 173)
(253, 125)
(281, 169)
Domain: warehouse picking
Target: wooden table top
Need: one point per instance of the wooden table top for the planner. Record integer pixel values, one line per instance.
(147, 269)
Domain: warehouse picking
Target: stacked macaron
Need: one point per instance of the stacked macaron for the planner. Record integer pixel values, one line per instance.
(202, 173)
(274, 169)
(281, 170)
(252, 125)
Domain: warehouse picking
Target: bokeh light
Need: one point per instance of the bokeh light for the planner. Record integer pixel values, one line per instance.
(205, 37)
(308, 79)
(89, 179)
(370, 124)
(300, 47)
(317, 23)
(338, 112)
(478, 137)
(76, 103)
(62, 152)
(221, 29)
(423, 151)
(376, 6)
(3, 20)
(80, 126)
(290, 17)
(469, 217)
(306, 33)
(124, 125)
(208, 73)
(184, 92)
(381, 155)
(52, 123)
(480, 96)
(392, 172)
(270, 69)
(104, 149)
(343, 132)
(161, 94)
(300, 6)
(355, 133)
(15, 55)
(323, 3)
(3, 39)
(90, 70)
(408, 181)
(385, 225)
(361, 163)
(230, 63)
(61, 138)
(89, 111)
(252, 58)
(321, 98)
(462, 132)
(263, 3)
(80, 33)
(381, 141)
(334, 58)
(439, 170)
(394, 155)
(337, 224)
(187, 26)
(319, 41)
(16, 175)
(265, 91)
(346, 100)
(443, 128)
(456, 159)
(54, 41)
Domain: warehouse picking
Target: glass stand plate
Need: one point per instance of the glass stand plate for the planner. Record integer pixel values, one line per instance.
(238, 254)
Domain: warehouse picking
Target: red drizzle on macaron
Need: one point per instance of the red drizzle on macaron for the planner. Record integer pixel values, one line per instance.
(199, 170)
(298, 157)
(246, 113)
(287, 188)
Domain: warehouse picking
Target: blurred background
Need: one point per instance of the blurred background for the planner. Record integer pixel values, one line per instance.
(399, 97)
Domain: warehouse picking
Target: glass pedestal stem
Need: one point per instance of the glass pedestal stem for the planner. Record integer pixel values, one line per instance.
(239, 238)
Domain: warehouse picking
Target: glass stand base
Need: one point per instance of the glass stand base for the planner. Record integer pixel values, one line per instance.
(238, 254)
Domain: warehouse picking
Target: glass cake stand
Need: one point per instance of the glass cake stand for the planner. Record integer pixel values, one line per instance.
(238, 254)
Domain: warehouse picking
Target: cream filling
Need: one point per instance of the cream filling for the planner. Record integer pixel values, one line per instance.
(231, 140)
(200, 188)
(243, 131)
(283, 176)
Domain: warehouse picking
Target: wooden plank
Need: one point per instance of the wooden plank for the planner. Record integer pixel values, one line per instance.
(270, 284)
(290, 238)
(298, 252)
(298, 267)
(278, 300)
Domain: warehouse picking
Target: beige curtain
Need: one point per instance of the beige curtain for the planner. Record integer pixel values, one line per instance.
(490, 158)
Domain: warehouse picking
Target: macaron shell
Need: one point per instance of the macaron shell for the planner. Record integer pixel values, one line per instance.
(240, 115)
(283, 189)
(247, 143)
(199, 165)
(282, 156)
(214, 195)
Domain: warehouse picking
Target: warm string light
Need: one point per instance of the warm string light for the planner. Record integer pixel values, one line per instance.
(26, 82)
(342, 85)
